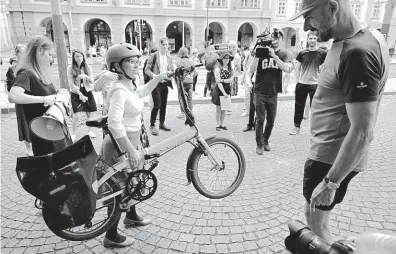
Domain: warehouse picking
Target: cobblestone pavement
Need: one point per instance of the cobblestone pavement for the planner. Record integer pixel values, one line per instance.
(252, 220)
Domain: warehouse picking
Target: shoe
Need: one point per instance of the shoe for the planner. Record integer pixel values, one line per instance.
(164, 127)
(228, 112)
(306, 118)
(138, 223)
(223, 127)
(29, 151)
(295, 131)
(181, 116)
(195, 93)
(110, 244)
(266, 146)
(259, 150)
(154, 130)
(244, 114)
(248, 128)
(91, 134)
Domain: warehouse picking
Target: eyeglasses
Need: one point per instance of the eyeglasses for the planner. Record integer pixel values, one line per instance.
(133, 62)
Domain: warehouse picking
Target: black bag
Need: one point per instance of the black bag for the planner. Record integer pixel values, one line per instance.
(145, 76)
(64, 182)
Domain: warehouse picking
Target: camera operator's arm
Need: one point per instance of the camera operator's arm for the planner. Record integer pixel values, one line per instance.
(250, 71)
(286, 67)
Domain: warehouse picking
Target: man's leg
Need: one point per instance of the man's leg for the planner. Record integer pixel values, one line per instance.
(260, 112)
(271, 105)
(252, 112)
(319, 222)
(311, 92)
(300, 99)
(164, 103)
(208, 82)
(154, 111)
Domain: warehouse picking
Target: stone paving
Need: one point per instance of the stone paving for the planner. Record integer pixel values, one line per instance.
(252, 220)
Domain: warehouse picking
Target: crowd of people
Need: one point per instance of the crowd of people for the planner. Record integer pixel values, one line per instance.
(344, 85)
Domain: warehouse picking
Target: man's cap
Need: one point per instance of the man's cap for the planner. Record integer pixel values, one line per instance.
(306, 6)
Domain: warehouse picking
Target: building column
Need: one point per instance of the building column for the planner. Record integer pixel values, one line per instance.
(117, 32)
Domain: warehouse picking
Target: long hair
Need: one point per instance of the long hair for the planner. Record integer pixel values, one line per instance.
(220, 65)
(29, 58)
(77, 70)
(183, 52)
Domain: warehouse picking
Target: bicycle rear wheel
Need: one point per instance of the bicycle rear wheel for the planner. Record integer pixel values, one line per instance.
(107, 213)
(218, 183)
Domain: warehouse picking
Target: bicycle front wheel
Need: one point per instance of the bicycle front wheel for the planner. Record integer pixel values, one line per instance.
(213, 182)
(107, 213)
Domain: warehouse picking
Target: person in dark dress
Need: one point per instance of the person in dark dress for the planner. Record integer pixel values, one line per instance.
(23, 126)
(81, 80)
(34, 91)
(224, 75)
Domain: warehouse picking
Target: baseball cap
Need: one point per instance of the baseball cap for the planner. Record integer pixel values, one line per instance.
(306, 6)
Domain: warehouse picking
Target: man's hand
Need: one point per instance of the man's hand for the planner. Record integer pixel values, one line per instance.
(272, 52)
(322, 196)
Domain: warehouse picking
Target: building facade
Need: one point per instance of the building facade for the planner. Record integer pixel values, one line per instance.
(184, 22)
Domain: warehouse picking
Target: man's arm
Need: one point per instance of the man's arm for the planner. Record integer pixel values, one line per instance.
(297, 70)
(149, 66)
(284, 66)
(250, 71)
(360, 77)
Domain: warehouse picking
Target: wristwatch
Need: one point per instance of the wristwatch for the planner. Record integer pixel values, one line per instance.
(331, 185)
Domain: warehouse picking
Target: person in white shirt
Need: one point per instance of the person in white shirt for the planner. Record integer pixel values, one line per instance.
(124, 120)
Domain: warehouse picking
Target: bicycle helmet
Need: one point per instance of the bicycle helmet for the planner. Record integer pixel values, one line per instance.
(117, 53)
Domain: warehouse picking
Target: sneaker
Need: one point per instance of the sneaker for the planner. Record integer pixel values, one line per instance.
(154, 130)
(164, 127)
(295, 131)
(228, 112)
(266, 146)
(111, 244)
(195, 93)
(306, 118)
(91, 134)
(139, 221)
(259, 150)
(244, 114)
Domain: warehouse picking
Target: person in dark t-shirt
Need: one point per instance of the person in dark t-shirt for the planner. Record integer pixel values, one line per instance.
(345, 106)
(267, 86)
(307, 71)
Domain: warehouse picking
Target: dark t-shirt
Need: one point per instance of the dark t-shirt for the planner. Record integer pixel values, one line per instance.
(269, 75)
(310, 62)
(355, 70)
(33, 86)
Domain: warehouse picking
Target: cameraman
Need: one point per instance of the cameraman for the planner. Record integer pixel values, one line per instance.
(269, 63)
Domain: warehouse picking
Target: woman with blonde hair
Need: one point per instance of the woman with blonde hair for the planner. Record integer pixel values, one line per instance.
(80, 78)
(34, 91)
(187, 63)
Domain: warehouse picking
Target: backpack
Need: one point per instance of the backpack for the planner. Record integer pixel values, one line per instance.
(145, 76)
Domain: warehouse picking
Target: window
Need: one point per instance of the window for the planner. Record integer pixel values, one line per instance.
(376, 11)
(94, 1)
(244, 3)
(254, 4)
(137, 1)
(218, 3)
(179, 2)
(282, 8)
(357, 9)
(297, 7)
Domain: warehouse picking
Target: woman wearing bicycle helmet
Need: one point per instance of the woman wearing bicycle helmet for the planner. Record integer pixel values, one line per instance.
(124, 121)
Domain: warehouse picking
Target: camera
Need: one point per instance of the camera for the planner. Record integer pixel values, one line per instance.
(303, 241)
(264, 40)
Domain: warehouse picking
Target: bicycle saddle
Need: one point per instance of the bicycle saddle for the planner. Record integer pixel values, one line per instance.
(98, 122)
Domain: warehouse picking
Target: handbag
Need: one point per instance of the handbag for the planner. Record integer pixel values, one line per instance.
(64, 182)
(188, 76)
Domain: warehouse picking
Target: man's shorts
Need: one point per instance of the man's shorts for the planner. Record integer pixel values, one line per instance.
(314, 173)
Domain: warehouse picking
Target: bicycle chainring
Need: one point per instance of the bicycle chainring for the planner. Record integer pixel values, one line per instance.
(141, 185)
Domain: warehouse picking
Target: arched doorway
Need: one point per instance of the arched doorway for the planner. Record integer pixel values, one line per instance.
(97, 33)
(215, 33)
(132, 34)
(289, 38)
(49, 31)
(174, 32)
(245, 35)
